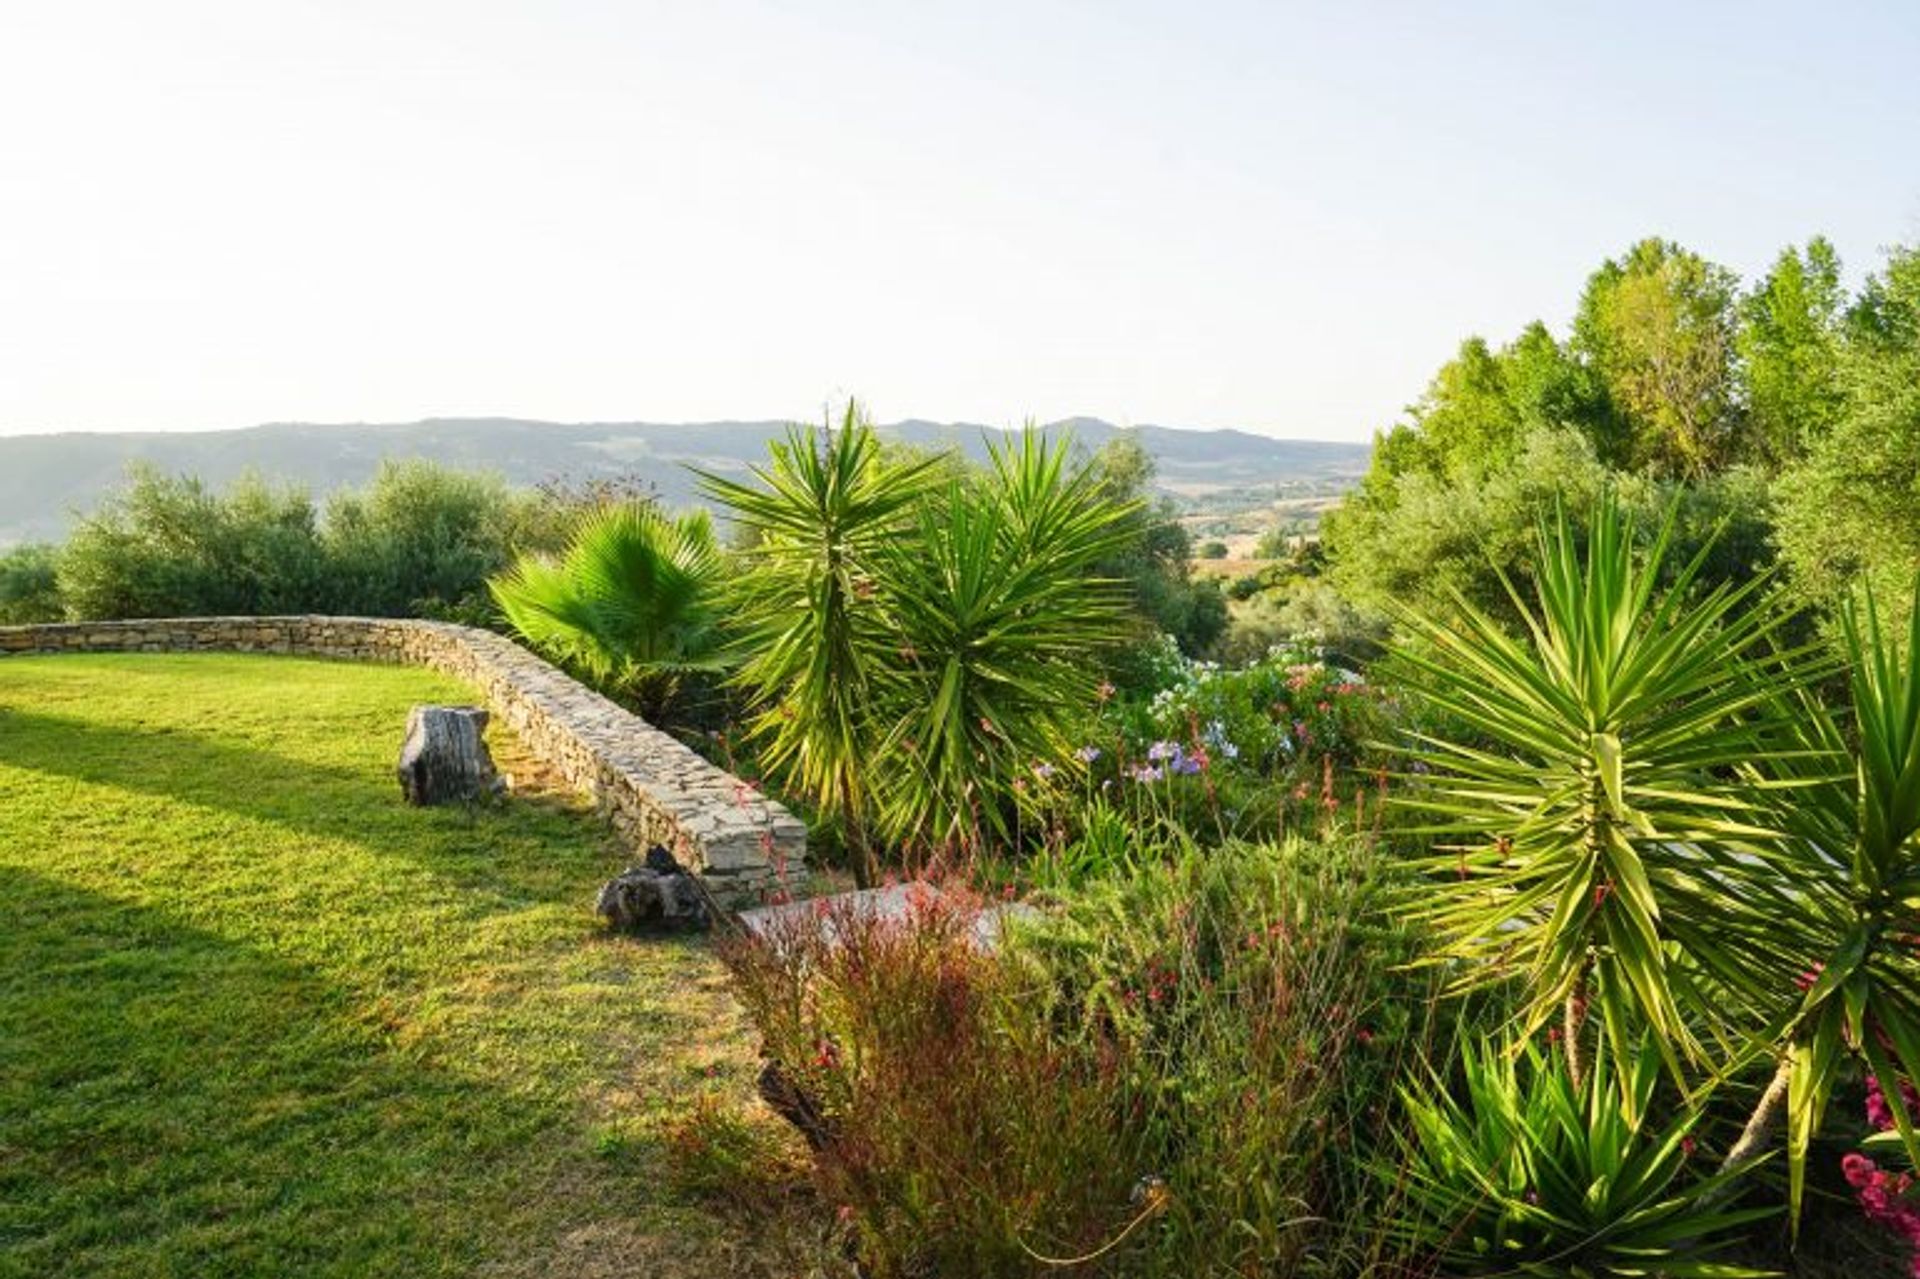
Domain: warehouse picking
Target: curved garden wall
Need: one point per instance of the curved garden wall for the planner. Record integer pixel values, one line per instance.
(652, 788)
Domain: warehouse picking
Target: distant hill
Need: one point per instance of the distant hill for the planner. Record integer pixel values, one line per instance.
(44, 479)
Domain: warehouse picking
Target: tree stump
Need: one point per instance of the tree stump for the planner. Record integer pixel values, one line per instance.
(444, 757)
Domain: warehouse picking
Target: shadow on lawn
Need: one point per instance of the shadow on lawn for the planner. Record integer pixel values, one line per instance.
(177, 1103)
(469, 846)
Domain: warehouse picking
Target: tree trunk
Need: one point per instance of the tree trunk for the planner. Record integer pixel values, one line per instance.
(1573, 1028)
(444, 756)
(1759, 1130)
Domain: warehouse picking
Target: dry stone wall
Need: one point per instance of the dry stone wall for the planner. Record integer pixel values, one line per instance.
(653, 789)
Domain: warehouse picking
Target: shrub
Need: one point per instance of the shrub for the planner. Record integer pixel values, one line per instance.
(1212, 551)
(1175, 1071)
(30, 585)
(420, 540)
(169, 546)
(1284, 718)
(960, 1133)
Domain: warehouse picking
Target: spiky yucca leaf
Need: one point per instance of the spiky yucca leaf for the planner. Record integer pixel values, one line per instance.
(814, 636)
(1531, 1173)
(998, 622)
(1843, 979)
(1586, 796)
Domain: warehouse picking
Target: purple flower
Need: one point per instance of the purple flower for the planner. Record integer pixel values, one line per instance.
(1043, 771)
(1087, 754)
(1146, 773)
(1163, 751)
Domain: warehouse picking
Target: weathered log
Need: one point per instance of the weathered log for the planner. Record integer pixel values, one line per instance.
(796, 1105)
(444, 756)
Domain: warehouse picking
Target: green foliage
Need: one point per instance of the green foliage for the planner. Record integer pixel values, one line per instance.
(1291, 609)
(168, 546)
(1431, 539)
(421, 540)
(993, 607)
(1153, 560)
(1523, 1170)
(1580, 792)
(1657, 326)
(814, 637)
(1211, 551)
(914, 647)
(1789, 349)
(1850, 511)
(1848, 798)
(632, 605)
(1282, 717)
(1170, 1075)
(30, 585)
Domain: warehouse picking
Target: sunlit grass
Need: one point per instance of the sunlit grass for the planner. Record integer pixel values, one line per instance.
(257, 1017)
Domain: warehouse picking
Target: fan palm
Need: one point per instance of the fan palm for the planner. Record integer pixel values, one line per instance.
(631, 604)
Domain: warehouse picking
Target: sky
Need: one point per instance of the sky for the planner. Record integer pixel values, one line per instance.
(1272, 216)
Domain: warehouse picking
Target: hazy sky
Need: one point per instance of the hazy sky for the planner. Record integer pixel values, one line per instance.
(1273, 216)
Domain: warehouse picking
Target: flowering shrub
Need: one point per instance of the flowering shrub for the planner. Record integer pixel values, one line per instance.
(957, 1133)
(1887, 1199)
(1172, 1072)
(1250, 753)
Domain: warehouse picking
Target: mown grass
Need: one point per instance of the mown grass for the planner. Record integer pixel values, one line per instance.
(258, 1017)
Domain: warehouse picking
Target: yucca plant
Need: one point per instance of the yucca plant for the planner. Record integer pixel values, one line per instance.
(631, 605)
(1843, 980)
(997, 623)
(813, 634)
(1588, 791)
(1533, 1173)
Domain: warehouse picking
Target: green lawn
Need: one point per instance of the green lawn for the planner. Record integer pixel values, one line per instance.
(257, 1017)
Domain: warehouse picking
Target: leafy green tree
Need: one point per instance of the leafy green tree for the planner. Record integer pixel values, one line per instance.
(1155, 561)
(1850, 509)
(1657, 326)
(632, 604)
(1212, 550)
(1789, 348)
(421, 539)
(167, 546)
(1432, 539)
(30, 585)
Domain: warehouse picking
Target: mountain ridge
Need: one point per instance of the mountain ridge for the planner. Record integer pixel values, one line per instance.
(45, 479)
